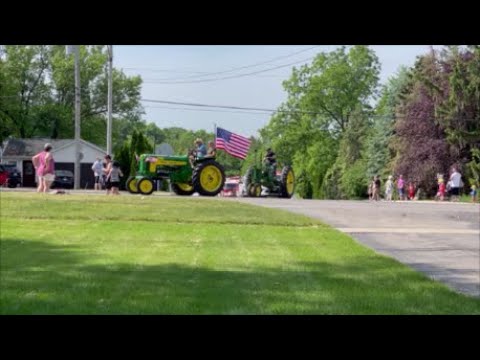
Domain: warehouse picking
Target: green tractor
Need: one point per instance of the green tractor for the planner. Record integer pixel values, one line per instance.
(265, 175)
(207, 176)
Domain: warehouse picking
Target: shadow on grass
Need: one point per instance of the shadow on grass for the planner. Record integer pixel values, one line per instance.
(55, 280)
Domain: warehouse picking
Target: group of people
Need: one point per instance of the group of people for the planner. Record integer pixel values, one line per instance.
(201, 151)
(107, 173)
(453, 186)
(411, 192)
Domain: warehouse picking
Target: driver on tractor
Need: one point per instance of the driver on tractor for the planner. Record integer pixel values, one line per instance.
(200, 151)
(271, 161)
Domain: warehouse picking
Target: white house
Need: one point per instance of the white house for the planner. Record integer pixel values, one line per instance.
(20, 152)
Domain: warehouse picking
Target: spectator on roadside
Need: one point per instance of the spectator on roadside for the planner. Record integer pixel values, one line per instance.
(370, 190)
(97, 168)
(376, 188)
(456, 184)
(45, 168)
(106, 171)
(473, 193)
(400, 187)
(441, 189)
(113, 177)
(389, 188)
(411, 191)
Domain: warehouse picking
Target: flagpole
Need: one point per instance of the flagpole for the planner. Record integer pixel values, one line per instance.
(215, 133)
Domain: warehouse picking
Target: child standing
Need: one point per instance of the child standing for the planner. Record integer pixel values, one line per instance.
(113, 179)
(473, 193)
(441, 189)
(411, 191)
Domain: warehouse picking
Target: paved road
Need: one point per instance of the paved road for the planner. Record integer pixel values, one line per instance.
(441, 240)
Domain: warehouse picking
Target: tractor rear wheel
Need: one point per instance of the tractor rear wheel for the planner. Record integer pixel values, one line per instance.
(251, 190)
(287, 182)
(249, 182)
(208, 178)
(258, 190)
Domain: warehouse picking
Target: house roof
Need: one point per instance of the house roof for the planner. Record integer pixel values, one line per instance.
(31, 147)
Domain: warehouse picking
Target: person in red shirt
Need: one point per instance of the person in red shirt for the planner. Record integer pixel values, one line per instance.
(441, 189)
(411, 191)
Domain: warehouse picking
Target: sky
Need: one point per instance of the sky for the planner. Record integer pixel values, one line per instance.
(179, 74)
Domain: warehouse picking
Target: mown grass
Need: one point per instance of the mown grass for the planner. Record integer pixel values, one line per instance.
(92, 254)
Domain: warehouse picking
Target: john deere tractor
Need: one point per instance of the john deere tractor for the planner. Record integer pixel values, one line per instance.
(206, 177)
(265, 175)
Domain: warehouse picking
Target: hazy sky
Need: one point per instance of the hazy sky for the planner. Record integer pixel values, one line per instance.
(157, 64)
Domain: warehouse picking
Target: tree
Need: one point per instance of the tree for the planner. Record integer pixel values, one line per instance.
(459, 106)
(419, 141)
(323, 98)
(378, 153)
(37, 93)
(24, 88)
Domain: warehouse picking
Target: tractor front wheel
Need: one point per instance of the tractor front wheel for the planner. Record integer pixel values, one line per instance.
(145, 186)
(183, 189)
(132, 185)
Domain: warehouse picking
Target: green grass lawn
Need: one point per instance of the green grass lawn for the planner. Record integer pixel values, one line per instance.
(92, 254)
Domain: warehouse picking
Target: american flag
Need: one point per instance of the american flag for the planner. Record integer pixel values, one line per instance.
(233, 144)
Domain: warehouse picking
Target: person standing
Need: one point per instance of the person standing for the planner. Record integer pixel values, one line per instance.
(441, 189)
(411, 191)
(389, 188)
(113, 177)
(400, 188)
(45, 168)
(376, 188)
(456, 181)
(106, 171)
(97, 168)
(473, 193)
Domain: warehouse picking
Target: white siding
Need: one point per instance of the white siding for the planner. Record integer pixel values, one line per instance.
(67, 154)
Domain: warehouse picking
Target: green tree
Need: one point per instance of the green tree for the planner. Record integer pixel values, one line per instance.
(378, 152)
(323, 99)
(37, 93)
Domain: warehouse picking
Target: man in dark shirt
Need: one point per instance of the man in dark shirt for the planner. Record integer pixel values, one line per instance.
(376, 190)
(271, 160)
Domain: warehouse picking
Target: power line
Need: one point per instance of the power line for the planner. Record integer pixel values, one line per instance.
(203, 74)
(209, 110)
(206, 105)
(233, 76)
(149, 80)
(268, 110)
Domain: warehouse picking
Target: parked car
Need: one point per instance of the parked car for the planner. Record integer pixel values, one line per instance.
(63, 179)
(10, 176)
(231, 187)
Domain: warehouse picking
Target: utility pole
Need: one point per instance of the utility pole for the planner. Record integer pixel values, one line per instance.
(110, 83)
(77, 117)
(76, 53)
